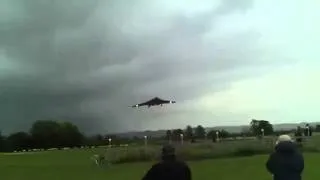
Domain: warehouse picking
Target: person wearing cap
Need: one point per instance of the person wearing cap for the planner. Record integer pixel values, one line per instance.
(169, 168)
(286, 163)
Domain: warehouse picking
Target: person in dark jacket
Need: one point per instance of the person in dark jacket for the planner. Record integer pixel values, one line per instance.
(286, 163)
(169, 168)
(298, 135)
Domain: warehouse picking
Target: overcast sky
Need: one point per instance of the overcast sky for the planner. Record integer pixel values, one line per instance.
(223, 61)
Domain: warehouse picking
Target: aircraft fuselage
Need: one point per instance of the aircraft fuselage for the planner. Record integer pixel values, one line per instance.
(154, 102)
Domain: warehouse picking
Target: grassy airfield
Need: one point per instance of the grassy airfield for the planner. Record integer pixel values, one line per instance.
(76, 164)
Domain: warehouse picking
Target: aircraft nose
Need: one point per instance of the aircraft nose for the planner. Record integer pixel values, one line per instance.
(172, 102)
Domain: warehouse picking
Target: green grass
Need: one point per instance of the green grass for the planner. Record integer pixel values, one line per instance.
(75, 164)
(203, 150)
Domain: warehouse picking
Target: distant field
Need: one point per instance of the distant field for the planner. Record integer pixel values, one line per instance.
(75, 164)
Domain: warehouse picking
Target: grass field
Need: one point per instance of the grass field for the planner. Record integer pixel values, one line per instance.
(76, 164)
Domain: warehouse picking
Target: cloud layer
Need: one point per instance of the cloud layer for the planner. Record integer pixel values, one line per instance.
(86, 61)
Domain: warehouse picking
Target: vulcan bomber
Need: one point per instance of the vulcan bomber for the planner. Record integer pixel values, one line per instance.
(154, 102)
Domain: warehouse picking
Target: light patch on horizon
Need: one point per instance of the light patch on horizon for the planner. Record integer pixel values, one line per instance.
(291, 93)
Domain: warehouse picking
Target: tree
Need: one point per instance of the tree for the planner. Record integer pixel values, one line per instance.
(176, 133)
(45, 134)
(19, 141)
(200, 132)
(246, 131)
(2, 143)
(70, 135)
(257, 125)
(51, 134)
(213, 135)
(189, 132)
(254, 126)
(317, 129)
(224, 134)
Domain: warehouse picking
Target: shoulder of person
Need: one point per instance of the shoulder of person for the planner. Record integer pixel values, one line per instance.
(274, 155)
(299, 153)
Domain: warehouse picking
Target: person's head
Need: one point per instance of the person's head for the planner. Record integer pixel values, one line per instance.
(284, 138)
(285, 144)
(168, 153)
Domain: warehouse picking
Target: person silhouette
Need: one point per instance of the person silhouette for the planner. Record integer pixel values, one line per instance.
(169, 168)
(286, 163)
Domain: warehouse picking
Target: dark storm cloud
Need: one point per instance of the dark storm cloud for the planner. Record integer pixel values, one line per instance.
(77, 60)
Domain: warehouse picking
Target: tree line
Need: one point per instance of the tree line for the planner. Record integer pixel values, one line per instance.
(43, 135)
(46, 134)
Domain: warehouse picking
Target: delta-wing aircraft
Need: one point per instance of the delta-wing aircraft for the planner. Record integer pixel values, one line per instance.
(154, 102)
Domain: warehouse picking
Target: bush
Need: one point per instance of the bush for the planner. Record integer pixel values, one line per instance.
(136, 154)
(204, 150)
